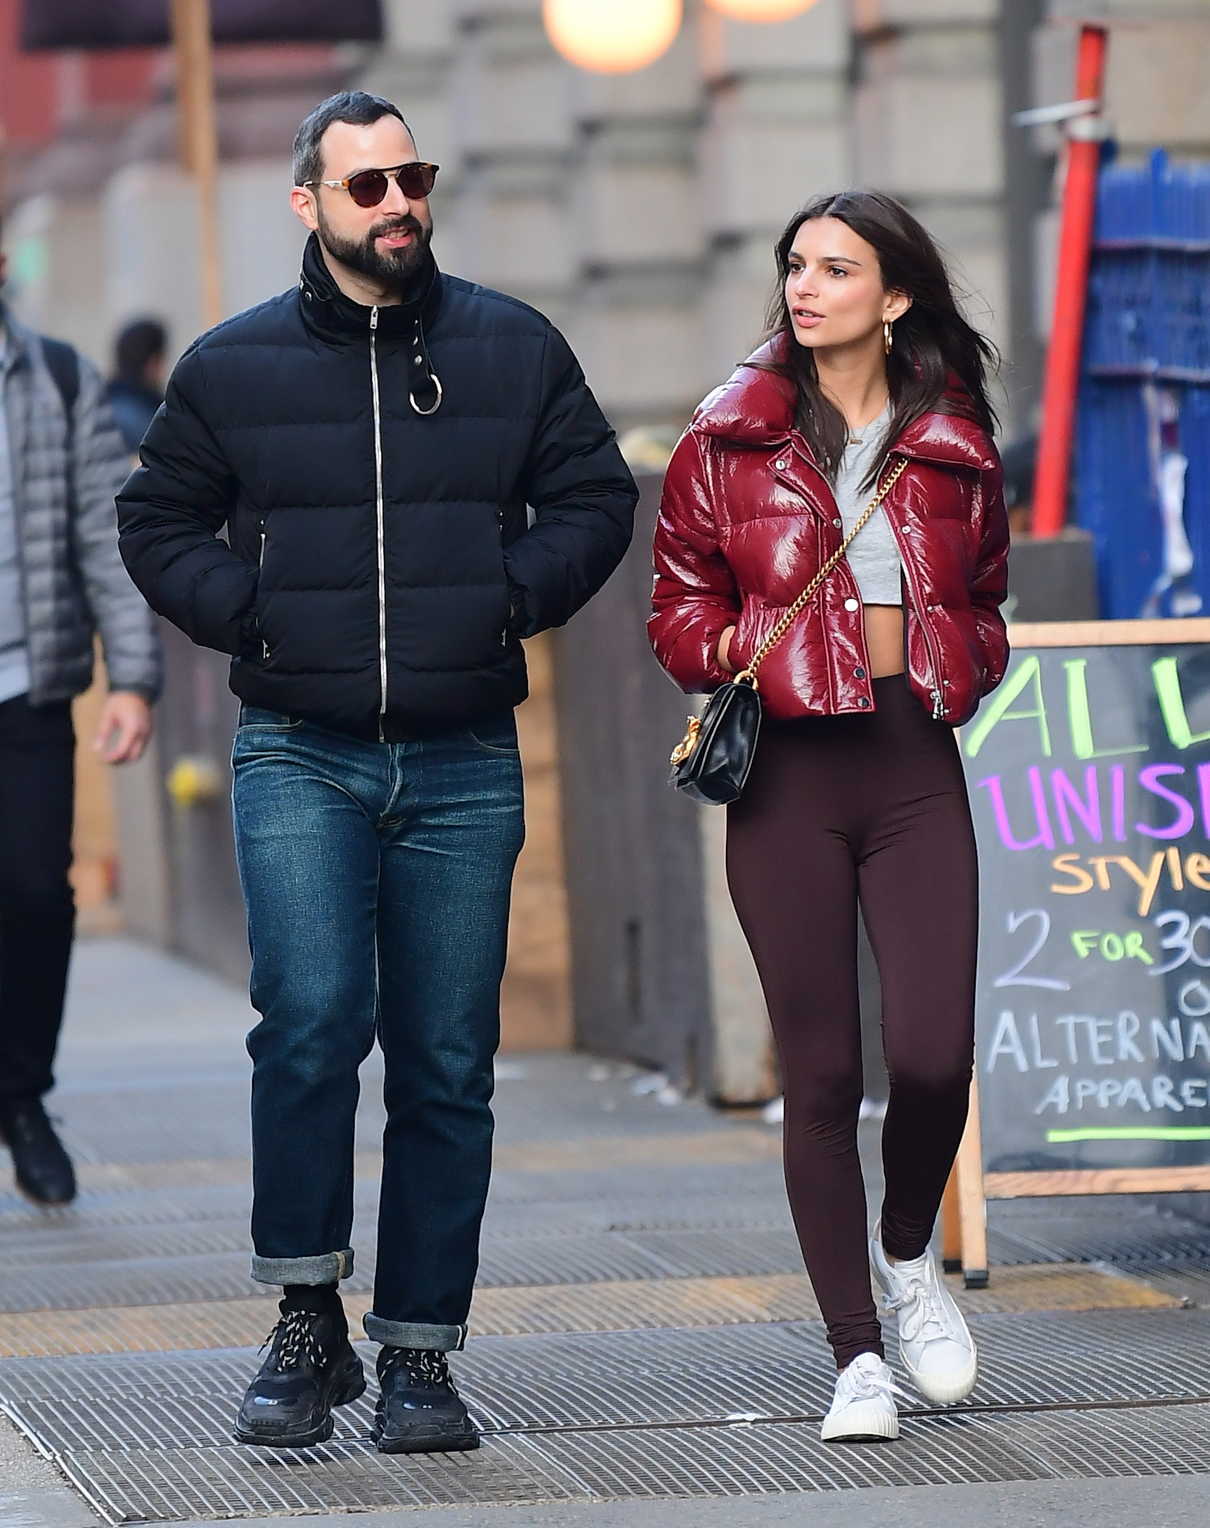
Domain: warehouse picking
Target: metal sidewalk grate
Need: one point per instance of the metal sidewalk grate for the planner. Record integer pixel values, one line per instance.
(233, 1482)
(1064, 1231)
(156, 1273)
(610, 1306)
(230, 1482)
(97, 1404)
(621, 1306)
(936, 1450)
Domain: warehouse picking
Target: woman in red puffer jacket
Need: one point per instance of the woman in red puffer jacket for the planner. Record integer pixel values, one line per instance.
(857, 791)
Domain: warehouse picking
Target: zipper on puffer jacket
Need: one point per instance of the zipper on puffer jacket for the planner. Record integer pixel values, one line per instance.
(500, 533)
(937, 691)
(381, 525)
(260, 568)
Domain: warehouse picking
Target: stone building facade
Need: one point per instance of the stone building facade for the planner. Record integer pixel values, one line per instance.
(639, 212)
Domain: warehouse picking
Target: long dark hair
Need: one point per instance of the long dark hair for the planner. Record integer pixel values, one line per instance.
(932, 341)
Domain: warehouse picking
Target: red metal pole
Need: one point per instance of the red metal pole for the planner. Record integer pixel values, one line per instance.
(1075, 248)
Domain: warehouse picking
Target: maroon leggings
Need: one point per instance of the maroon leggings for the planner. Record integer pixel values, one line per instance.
(836, 808)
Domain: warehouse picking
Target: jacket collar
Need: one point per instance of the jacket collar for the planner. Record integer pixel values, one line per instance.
(338, 320)
(755, 407)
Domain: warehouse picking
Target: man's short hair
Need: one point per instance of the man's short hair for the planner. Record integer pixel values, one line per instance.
(355, 106)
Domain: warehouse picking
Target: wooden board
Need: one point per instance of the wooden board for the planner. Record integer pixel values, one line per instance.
(1107, 633)
(1167, 1180)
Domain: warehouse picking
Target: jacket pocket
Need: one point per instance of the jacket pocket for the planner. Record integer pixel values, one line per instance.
(755, 622)
(261, 650)
(496, 734)
(965, 664)
(737, 653)
(508, 625)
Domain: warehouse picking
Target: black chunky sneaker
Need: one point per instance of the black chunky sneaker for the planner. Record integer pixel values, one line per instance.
(311, 1367)
(419, 1411)
(43, 1169)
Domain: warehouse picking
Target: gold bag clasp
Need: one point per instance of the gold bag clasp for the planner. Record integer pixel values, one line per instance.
(689, 742)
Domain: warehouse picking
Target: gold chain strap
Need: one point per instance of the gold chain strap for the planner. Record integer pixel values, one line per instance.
(795, 610)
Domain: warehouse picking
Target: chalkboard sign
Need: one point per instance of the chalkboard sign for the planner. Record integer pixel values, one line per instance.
(1089, 779)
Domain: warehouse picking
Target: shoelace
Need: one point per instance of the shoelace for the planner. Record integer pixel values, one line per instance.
(921, 1313)
(294, 1341)
(425, 1366)
(867, 1382)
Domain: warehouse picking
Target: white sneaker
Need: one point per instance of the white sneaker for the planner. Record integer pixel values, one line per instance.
(863, 1408)
(935, 1344)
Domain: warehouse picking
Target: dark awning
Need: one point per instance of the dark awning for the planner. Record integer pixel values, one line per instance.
(146, 23)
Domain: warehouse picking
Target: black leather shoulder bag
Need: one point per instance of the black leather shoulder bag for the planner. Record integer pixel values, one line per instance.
(712, 761)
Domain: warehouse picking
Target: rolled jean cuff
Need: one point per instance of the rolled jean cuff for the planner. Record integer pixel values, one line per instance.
(326, 1268)
(414, 1334)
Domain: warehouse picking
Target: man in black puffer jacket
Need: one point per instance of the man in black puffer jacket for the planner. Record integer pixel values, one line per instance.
(371, 440)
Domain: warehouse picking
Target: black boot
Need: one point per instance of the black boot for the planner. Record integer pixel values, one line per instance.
(43, 1169)
(311, 1367)
(419, 1411)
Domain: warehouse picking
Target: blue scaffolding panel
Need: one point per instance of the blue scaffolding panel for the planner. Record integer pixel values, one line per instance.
(1142, 470)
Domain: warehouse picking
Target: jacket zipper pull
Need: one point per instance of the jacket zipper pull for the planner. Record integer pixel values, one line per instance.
(260, 564)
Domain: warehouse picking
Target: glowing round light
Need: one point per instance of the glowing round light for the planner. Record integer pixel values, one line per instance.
(760, 10)
(612, 36)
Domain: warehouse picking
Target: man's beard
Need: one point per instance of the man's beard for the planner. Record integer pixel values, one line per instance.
(396, 268)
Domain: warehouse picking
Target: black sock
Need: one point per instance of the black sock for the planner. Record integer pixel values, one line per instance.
(322, 1299)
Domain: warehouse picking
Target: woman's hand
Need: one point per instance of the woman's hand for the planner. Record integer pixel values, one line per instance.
(724, 649)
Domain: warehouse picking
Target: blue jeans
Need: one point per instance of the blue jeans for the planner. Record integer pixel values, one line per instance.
(377, 878)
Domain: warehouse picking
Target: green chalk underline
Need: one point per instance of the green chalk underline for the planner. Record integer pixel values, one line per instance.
(1132, 1133)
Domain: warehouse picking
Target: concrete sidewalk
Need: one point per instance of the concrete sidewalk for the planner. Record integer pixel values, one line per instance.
(646, 1347)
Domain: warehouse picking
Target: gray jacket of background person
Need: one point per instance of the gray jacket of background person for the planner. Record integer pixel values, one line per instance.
(73, 581)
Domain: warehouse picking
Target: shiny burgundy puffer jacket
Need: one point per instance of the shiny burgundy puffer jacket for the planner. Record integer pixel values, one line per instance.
(747, 518)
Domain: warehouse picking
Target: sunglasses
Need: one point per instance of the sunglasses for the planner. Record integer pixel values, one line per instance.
(369, 187)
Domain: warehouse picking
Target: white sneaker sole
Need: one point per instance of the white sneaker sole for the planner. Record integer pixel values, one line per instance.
(948, 1391)
(860, 1424)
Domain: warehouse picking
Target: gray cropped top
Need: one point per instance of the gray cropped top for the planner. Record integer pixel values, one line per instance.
(874, 556)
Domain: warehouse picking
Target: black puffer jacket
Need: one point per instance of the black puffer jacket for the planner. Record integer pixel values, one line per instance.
(381, 567)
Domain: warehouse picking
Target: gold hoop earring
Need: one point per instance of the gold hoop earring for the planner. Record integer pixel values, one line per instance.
(888, 335)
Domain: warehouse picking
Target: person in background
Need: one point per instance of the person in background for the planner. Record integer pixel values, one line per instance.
(61, 582)
(136, 389)
(1020, 460)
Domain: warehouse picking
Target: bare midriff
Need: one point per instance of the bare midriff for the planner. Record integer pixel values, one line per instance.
(884, 639)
